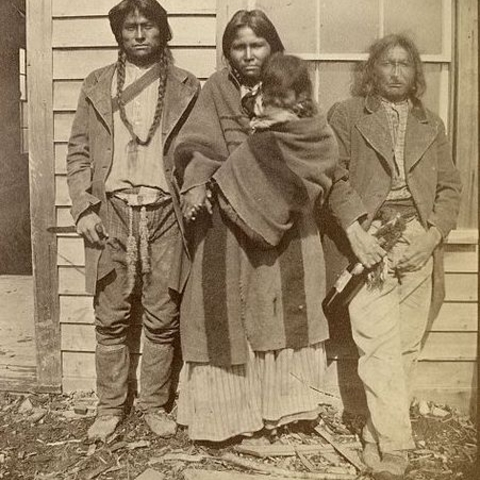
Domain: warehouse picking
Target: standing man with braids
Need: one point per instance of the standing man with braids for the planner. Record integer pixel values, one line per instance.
(124, 205)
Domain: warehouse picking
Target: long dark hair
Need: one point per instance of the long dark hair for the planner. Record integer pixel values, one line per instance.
(365, 82)
(151, 9)
(260, 25)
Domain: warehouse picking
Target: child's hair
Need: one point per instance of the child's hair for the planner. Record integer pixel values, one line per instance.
(286, 74)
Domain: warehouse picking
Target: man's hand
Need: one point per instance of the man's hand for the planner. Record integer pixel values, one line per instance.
(419, 251)
(194, 200)
(90, 226)
(364, 245)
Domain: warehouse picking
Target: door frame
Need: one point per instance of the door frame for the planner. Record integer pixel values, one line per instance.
(42, 194)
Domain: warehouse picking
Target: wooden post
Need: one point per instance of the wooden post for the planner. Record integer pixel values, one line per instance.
(42, 193)
(466, 121)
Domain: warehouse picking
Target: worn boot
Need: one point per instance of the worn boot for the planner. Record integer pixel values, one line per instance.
(155, 387)
(103, 427)
(371, 455)
(161, 423)
(112, 364)
(392, 467)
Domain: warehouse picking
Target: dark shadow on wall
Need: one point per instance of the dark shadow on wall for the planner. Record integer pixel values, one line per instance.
(15, 243)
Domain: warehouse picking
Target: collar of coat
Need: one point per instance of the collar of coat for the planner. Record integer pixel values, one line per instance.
(374, 102)
(420, 134)
(178, 96)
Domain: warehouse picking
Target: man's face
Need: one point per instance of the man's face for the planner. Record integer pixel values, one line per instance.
(395, 74)
(141, 39)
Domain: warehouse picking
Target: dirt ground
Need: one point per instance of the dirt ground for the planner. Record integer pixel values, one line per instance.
(44, 437)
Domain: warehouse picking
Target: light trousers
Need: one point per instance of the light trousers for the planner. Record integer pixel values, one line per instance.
(388, 325)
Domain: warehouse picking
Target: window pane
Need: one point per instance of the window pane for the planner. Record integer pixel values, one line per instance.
(296, 25)
(23, 87)
(431, 97)
(335, 80)
(348, 26)
(24, 114)
(420, 20)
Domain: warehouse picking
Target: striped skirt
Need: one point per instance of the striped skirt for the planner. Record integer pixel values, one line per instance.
(274, 388)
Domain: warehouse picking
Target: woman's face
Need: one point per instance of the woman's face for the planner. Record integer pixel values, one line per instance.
(248, 54)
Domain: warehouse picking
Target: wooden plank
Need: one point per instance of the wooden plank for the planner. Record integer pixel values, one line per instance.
(461, 287)
(70, 251)
(77, 64)
(461, 374)
(463, 236)
(279, 450)
(209, 474)
(78, 338)
(82, 364)
(440, 346)
(62, 197)
(345, 452)
(457, 317)
(461, 258)
(20, 379)
(71, 280)
(96, 32)
(81, 338)
(64, 219)
(84, 8)
(75, 309)
(451, 383)
(60, 158)
(445, 375)
(78, 384)
(65, 94)
(79, 364)
(42, 193)
(466, 131)
(458, 346)
(62, 125)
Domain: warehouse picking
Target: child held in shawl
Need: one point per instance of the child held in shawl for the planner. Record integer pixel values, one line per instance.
(285, 94)
(286, 146)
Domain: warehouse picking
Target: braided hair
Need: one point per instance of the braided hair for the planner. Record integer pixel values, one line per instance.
(163, 65)
(155, 12)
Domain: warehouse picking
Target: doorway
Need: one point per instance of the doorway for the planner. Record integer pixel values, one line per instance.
(17, 332)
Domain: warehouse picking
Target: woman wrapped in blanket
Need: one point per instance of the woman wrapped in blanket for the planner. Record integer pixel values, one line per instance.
(252, 325)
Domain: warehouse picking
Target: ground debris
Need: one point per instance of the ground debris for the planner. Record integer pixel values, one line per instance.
(151, 474)
(55, 446)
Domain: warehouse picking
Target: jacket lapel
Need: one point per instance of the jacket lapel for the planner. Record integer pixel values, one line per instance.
(419, 136)
(100, 95)
(374, 128)
(178, 96)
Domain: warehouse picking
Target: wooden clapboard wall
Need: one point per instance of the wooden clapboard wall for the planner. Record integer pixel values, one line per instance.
(82, 41)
